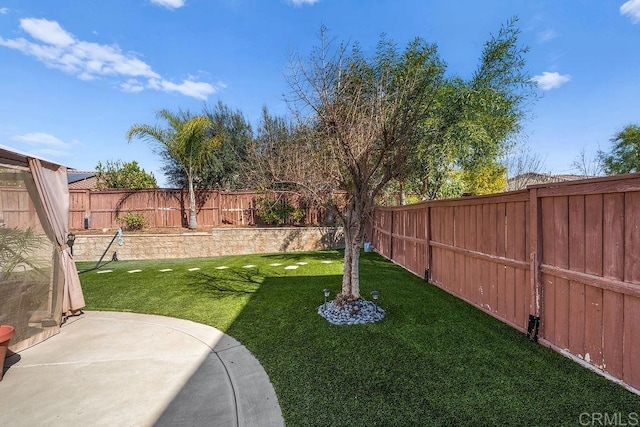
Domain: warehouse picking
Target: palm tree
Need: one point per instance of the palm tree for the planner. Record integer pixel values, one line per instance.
(188, 139)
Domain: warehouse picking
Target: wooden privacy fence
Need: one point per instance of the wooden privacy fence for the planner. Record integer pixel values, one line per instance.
(16, 208)
(166, 208)
(562, 256)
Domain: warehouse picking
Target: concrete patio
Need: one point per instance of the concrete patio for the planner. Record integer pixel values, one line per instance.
(128, 369)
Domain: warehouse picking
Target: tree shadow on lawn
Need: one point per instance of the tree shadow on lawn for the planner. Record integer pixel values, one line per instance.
(434, 360)
(231, 281)
(238, 280)
(330, 255)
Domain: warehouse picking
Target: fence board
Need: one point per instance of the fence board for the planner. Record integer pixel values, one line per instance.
(501, 229)
(593, 325)
(613, 236)
(521, 299)
(476, 286)
(501, 286)
(548, 281)
(487, 249)
(561, 259)
(511, 230)
(632, 238)
(510, 294)
(521, 291)
(613, 332)
(613, 267)
(521, 231)
(577, 318)
(576, 233)
(631, 352)
(528, 297)
(493, 266)
(576, 263)
(631, 355)
(492, 287)
(593, 226)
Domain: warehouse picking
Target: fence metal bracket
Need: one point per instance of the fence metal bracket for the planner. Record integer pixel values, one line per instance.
(533, 327)
(427, 274)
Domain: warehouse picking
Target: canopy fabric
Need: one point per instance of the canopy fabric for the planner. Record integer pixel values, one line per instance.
(54, 195)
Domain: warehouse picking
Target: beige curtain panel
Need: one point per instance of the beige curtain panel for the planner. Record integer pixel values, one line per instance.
(54, 195)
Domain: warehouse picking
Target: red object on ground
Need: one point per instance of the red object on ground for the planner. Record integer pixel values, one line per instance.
(6, 333)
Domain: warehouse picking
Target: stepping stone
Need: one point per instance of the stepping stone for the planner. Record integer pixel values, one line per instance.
(193, 269)
(164, 270)
(326, 262)
(222, 267)
(105, 271)
(301, 263)
(275, 264)
(249, 266)
(291, 267)
(134, 271)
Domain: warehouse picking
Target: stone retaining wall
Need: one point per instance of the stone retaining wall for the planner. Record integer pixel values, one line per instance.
(221, 241)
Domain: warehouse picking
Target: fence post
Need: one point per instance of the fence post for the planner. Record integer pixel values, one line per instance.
(535, 254)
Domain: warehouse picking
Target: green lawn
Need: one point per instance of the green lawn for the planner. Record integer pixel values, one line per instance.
(434, 360)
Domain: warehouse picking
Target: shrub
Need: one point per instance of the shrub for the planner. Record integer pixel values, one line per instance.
(299, 216)
(121, 174)
(133, 222)
(273, 211)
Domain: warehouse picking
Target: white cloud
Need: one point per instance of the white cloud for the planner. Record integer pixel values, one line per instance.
(132, 85)
(59, 49)
(188, 87)
(551, 80)
(302, 2)
(631, 8)
(545, 36)
(4, 10)
(41, 139)
(169, 4)
(45, 145)
(46, 31)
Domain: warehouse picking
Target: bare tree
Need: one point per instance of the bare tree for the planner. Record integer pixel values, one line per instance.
(524, 168)
(586, 166)
(357, 122)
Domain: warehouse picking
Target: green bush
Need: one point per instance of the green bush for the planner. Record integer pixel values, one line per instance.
(299, 215)
(133, 222)
(121, 174)
(274, 211)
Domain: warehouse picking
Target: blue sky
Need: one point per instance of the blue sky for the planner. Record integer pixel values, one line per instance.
(75, 75)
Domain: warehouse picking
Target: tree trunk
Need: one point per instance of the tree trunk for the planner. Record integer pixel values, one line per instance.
(193, 223)
(353, 235)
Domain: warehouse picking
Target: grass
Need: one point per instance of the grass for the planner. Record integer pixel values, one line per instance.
(434, 360)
